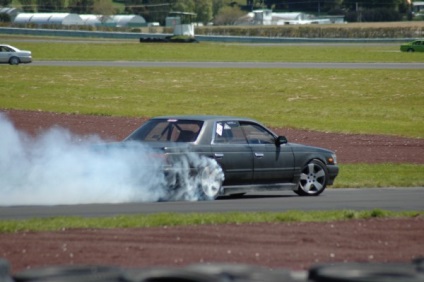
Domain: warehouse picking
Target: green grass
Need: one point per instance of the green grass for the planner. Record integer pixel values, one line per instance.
(337, 100)
(222, 52)
(175, 219)
(380, 175)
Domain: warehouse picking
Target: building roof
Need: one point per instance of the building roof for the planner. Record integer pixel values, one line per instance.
(127, 20)
(49, 18)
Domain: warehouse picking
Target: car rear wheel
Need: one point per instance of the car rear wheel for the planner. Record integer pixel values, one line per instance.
(14, 61)
(313, 179)
(210, 183)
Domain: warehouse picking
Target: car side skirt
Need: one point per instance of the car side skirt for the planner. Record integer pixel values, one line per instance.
(237, 189)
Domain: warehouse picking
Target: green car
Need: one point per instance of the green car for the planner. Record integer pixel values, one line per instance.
(414, 46)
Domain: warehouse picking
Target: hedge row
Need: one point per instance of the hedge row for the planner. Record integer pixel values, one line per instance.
(315, 31)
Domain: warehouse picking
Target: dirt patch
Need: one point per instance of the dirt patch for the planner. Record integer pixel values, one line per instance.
(295, 246)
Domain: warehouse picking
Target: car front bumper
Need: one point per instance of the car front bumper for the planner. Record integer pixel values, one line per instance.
(333, 171)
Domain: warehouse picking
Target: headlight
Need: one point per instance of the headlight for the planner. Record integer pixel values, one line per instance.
(332, 159)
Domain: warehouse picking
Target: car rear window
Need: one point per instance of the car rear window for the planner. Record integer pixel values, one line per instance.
(167, 130)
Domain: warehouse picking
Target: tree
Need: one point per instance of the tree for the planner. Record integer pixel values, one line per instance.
(81, 6)
(151, 10)
(203, 9)
(29, 6)
(372, 4)
(184, 6)
(103, 8)
(5, 3)
(216, 6)
(228, 15)
(50, 6)
(5, 18)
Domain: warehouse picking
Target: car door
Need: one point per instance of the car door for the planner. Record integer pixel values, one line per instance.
(232, 152)
(271, 163)
(4, 57)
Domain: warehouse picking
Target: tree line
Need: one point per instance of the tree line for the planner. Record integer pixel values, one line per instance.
(224, 12)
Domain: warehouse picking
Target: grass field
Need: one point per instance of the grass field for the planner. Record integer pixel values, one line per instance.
(175, 219)
(89, 49)
(350, 101)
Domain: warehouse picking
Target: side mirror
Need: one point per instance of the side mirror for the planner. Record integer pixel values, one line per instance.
(280, 140)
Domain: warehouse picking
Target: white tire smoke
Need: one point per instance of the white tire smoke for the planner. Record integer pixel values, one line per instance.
(58, 167)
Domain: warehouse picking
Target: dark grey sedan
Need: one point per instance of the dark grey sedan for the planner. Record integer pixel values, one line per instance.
(231, 156)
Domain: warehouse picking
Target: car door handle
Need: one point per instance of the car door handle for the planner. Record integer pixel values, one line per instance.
(259, 155)
(219, 155)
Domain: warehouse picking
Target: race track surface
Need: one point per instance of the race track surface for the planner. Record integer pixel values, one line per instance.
(394, 199)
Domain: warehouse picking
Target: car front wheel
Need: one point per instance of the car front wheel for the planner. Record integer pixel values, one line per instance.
(14, 61)
(313, 179)
(410, 50)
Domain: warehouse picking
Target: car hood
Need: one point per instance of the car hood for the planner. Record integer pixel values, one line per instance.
(305, 148)
(23, 52)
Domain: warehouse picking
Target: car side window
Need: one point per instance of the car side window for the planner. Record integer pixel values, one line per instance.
(168, 131)
(256, 134)
(229, 132)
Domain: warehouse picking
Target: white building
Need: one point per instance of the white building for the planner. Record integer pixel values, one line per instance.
(418, 7)
(12, 12)
(127, 21)
(267, 17)
(48, 19)
(93, 20)
(114, 20)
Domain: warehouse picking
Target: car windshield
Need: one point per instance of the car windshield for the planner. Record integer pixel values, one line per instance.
(167, 130)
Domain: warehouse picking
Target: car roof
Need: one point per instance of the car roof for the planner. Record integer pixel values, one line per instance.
(206, 118)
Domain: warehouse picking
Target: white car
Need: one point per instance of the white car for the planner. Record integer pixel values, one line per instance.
(14, 56)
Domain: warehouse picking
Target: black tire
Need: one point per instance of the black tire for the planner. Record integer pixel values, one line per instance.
(419, 264)
(5, 271)
(410, 50)
(73, 273)
(360, 272)
(313, 179)
(168, 275)
(240, 272)
(195, 178)
(210, 182)
(14, 61)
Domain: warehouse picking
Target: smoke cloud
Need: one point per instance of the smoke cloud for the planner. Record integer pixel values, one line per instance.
(58, 167)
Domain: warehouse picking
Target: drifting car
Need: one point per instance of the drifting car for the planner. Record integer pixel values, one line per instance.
(414, 46)
(245, 156)
(13, 56)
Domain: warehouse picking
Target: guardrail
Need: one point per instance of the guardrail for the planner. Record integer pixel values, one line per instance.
(200, 38)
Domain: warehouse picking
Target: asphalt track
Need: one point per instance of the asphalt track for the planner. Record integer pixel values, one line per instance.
(393, 199)
(148, 64)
